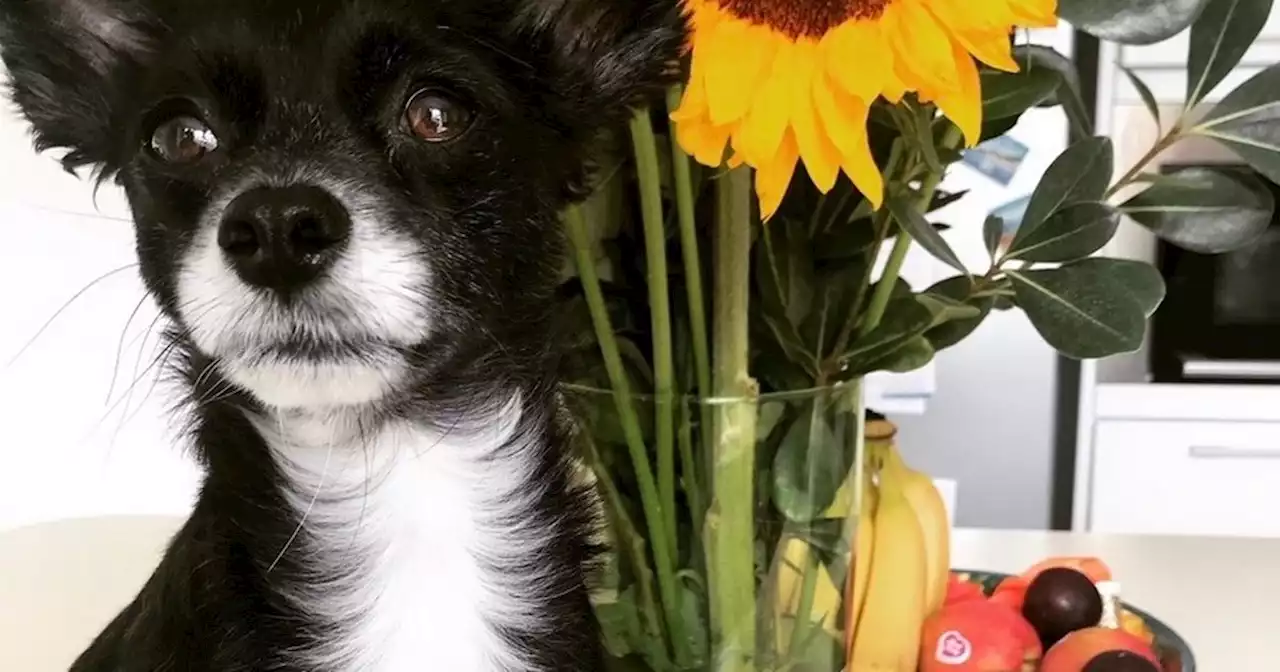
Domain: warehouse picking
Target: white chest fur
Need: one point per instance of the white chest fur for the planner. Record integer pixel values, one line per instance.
(417, 541)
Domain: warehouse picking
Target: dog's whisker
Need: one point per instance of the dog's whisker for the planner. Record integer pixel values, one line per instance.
(124, 333)
(65, 306)
(324, 473)
(155, 382)
(137, 381)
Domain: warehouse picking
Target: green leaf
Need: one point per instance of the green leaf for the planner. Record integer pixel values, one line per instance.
(994, 128)
(775, 370)
(1074, 232)
(837, 289)
(905, 318)
(1092, 308)
(1009, 94)
(844, 242)
(1068, 93)
(914, 354)
(1131, 21)
(619, 622)
(946, 309)
(958, 289)
(1219, 39)
(1247, 121)
(1081, 174)
(1144, 92)
(785, 270)
(1205, 210)
(788, 338)
(808, 468)
(923, 232)
(992, 233)
(942, 199)
(694, 627)
(923, 118)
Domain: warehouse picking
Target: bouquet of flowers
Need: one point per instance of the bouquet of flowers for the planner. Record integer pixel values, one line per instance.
(737, 273)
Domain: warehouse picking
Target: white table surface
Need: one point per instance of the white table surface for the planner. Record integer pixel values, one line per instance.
(60, 583)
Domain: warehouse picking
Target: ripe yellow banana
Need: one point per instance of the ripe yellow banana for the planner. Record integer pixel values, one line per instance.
(797, 558)
(888, 634)
(860, 572)
(931, 511)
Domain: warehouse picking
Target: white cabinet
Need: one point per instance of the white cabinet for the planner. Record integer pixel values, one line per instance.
(1186, 477)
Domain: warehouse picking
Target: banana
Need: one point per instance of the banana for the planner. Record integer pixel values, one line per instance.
(932, 514)
(888, 634)
(856, 585)
(797, 557)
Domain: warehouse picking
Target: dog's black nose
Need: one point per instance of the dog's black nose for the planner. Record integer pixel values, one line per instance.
(283, 238)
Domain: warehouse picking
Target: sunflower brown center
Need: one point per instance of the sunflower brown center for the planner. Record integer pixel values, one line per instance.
(804, 18)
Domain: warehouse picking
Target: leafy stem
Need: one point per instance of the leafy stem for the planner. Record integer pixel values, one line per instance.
(684, 200)
(730, 526)
(648, 175)
(902, 245)
(880, 224)
(580, 241)
(1168, 140)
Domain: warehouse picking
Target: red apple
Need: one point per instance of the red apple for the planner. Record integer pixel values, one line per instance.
(1077, 649)
(959, 590)
(1011, 592)
(977, 636)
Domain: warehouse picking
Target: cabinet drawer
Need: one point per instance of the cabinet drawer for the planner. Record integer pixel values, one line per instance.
(1200, 478)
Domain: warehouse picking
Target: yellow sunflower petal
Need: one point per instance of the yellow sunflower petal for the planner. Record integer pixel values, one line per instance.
(968, 15)
(1035, 13)
(736, 60)
(857, 56)
(693, 104)
(702, 140)
(773, 177)
(821, 157)
(922, 49)
(991, 48)
(963, 106)
(762, 129)
(845, 119)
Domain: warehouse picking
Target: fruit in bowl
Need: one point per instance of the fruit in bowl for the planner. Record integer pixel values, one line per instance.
(904, 609)
(1098, 649)
(1054, 596)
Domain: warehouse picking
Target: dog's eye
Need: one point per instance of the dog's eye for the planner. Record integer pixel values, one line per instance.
(183, 139)
(434, 117)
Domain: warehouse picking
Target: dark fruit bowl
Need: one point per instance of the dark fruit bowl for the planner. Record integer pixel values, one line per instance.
(1174, 652)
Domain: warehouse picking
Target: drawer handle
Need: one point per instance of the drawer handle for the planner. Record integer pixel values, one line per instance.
(1228, 453)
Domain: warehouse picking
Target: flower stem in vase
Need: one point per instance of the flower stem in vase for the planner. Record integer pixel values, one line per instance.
(730, 525)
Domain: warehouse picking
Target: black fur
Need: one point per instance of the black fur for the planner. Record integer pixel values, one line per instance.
(319, 85)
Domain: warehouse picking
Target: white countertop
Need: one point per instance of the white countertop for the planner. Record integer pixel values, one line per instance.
(60, 583)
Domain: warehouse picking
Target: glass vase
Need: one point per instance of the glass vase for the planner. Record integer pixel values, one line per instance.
(731, 524)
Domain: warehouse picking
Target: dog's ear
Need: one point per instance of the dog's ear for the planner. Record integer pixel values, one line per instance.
(605, 55)
(65, 60)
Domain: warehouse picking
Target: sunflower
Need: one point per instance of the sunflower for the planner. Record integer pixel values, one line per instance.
(779, 81)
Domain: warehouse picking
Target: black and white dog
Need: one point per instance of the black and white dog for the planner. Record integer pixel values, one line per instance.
(349, 211)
